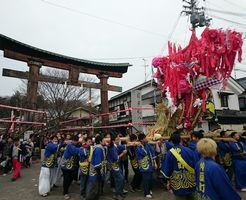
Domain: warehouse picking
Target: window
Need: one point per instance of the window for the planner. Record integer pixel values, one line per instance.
(242, 103)
(224, 100)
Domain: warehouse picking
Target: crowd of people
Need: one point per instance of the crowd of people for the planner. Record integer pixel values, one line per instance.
(15, 153)
(199, 168)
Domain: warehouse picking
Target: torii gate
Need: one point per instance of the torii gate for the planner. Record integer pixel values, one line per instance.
(36, 58)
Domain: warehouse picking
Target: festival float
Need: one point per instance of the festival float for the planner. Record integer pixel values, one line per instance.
(185, 76)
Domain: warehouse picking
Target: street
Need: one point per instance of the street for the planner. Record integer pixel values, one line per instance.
(27, 188)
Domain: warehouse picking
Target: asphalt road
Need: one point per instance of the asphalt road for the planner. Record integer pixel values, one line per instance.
(27, 188)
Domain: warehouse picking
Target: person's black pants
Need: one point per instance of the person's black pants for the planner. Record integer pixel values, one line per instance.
(147, 182)
(27, 161)
(124, 169)
(68, 176)
(137, 179)
(229, 171)
(7, 167)
(94, 189)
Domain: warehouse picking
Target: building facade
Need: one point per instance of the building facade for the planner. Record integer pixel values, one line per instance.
(143, 98)
(226, 101)
(242, 97)
(228, 115)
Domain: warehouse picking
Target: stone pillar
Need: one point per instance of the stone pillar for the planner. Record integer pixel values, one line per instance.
(104, 98)
(32, 86)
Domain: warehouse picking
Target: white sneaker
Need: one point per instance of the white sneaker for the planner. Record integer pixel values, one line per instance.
(243, 190)
(149, 196)
(113, 190)
(66, 196)
(4, 174)
(125, 191)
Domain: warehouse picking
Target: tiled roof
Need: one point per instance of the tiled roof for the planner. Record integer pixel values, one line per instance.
(242, 82)
(19, 47)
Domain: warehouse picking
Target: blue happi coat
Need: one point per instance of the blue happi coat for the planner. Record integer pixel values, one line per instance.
(164, 148)
(70, 157)
(192, 146)
(113, 158)
(145, 156)
(212, 183)
(224, 152)
(238, 150)
(182, 181)
(131, 150)
(120, 149)
(84, 160)
(50, 156)
(98, 163)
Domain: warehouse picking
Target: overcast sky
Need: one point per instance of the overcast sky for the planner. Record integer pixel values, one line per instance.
(131, 31)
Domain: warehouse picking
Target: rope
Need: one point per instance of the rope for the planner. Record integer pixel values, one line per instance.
(22, 122)
(22, 109)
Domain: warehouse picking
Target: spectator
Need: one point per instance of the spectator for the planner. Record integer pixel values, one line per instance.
(17, 152)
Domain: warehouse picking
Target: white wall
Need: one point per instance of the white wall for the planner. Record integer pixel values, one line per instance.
(148, 113)
(231, 87)
(79, 113)
(203, 126)
(233, 103)
(147, 89)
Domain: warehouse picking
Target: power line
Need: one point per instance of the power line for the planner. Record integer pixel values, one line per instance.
(220, 5)
(206, 5)
(235, 5)
(228, 20)
(227, 12)
(104, 19)
(122, 58)
(224, 11)
(170, 34)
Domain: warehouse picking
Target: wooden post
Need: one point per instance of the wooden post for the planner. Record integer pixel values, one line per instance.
(104, 98)
(32, 86)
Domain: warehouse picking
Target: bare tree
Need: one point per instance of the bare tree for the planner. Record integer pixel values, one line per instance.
(62, 98)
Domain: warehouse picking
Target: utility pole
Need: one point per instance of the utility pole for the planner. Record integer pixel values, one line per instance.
(197, 14)
(89, 102)
(145, 69)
